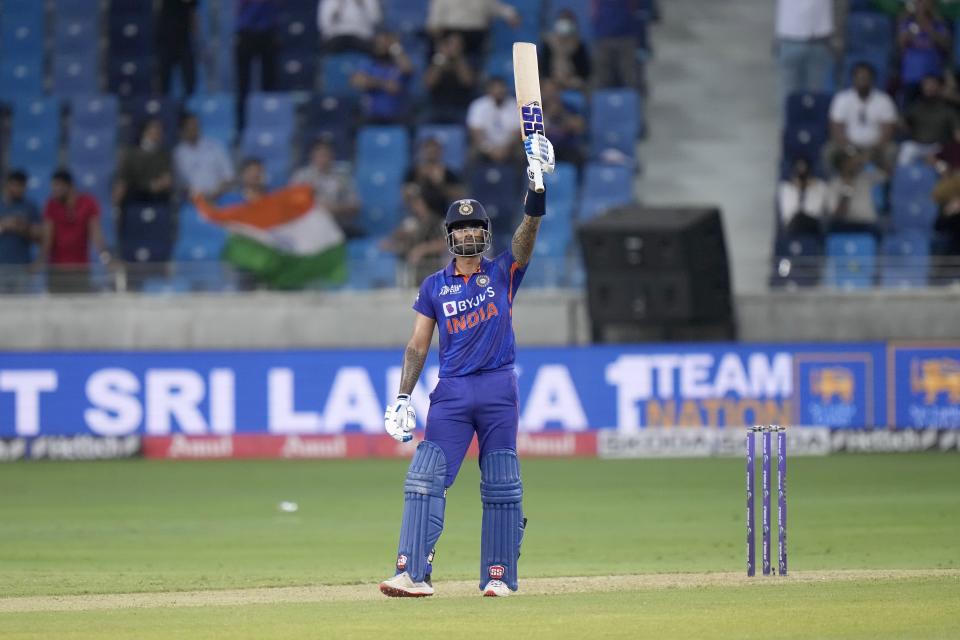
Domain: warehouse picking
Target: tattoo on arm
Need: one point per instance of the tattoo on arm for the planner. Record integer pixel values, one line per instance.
(412, 367)
(524, 239)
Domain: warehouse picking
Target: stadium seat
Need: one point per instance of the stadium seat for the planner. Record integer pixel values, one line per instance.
(452, 137)
(198, 240)
(34, 149)
(94, 112)
(621, 106)
(37, 116)
(76, 74)
(217, 114)
(868, 31)
(273, 111)
(808, 109)
(147, 233)
(22, 34)
(332, 119)
(383, 147)
(165, 286)
(137, 110)
(298, 28)
(21, 76)
(92, 148)
(272, 147)
(500, 65)
(379, 189)
(575, 101)
(851, 260)
(76, 10)
(604, 187)
(78, 36)
(131, 76)
(803, 142)
(503, 35)
(130, 33)
(562, 186)
(498, 187)
(38, 181)
(906, 259)
(406, 16)
(798, 261)
(910, 197)
(369, 266)
(297, 71)
(337, 71)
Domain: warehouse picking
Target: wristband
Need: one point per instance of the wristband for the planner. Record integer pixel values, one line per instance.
(535, 204)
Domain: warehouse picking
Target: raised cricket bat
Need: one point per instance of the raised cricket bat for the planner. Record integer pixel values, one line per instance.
(526, 76)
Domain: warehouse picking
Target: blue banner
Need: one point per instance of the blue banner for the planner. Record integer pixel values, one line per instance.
(622, 387)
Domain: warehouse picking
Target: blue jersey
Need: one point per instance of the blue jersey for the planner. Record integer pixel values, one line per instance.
(473, 314)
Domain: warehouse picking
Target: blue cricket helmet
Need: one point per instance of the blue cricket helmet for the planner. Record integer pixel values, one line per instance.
(467, 212)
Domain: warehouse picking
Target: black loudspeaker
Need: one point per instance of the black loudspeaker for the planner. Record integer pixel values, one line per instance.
(657, 274)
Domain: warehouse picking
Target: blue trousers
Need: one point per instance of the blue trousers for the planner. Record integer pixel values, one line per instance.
(483, 403)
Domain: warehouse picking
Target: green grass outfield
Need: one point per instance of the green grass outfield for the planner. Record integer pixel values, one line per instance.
(68, 529)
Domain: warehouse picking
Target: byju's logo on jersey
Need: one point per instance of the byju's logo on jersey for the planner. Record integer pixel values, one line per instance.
(453, 288)
(532, 116)
(449, 308)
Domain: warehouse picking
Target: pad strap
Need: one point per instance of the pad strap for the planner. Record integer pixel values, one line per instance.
(423, 505)
(501, 491)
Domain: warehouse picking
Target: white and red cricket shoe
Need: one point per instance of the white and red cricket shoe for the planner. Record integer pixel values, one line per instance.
(496, 589)
(401, 586)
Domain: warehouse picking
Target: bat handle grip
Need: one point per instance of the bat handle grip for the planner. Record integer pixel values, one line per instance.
(537, 177)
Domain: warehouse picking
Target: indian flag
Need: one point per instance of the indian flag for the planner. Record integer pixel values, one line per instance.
(284, 237)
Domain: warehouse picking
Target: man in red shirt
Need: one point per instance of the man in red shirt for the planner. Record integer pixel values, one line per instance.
(71, 222)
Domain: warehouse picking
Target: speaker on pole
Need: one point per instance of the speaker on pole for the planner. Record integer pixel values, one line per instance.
(657, 274)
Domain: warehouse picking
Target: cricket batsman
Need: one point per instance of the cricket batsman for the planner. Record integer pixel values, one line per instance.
(471, 301)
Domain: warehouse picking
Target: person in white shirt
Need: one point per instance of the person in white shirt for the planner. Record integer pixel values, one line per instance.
(804, 31)
(469, 18)
(333, 187)
(494, 123)
(850, 203)
(801, 201)
(863, 121)
(202, 165)
(348, 25)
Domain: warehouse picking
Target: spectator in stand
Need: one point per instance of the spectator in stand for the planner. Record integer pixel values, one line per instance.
(929, 123)
(805, 29)
(450, 80)
(419, 239)
(256, 39)
(923, 38)
(176, 29)
(71, 224)
(19, 229)
(564, 58)
(383, 81)
(348, 25)
(850, 205)
(494, 123)
(203, 166)
(436, 183)
(146, 171)
(863, 120)
(801, 201)
(615, 42)
(471, 19)
(567, 127)
(332, 185)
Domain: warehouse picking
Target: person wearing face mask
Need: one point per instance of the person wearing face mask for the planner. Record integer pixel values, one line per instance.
(565, 58)
(383, 81)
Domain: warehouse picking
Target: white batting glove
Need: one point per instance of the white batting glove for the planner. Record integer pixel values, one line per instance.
(400, 419)
(539, 153)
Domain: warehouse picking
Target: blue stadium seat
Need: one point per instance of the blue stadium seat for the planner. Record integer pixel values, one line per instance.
(452, 137)
(92, 148)
(531, 14)
(21, 76)
(94, 112)
(332, 119)
(808, 109)
(147, 233)
(273, 111)
(272, 147)
(217, 114)
(562, 186)
(851, 260)
(911, 204)
(131, 33)
(406, 16)
(383, 147)
(198, 240)
(337, 71)
(165, 286)
(604, 187)
(379, 189)
(75, 10)
(575, 101)
(137, 110)
(298, 29)
(500, 65)
(34, 149)
(906, 259)
(498, 188)
(803, 142)
(37, 116)
(297, 71)
(131, 75)
(78, 36)
(799, 261)
(22, 34)
(620, 106)
(75, 74)
(38, 181)
(369, 266)
(23, 10)
(868, 31)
